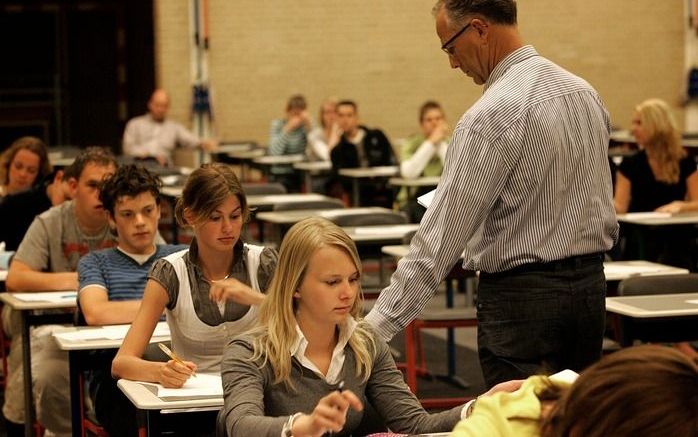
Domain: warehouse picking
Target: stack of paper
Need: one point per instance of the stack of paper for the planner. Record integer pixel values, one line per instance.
(202, 385)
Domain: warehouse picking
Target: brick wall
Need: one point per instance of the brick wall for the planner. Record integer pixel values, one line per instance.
(385, 55)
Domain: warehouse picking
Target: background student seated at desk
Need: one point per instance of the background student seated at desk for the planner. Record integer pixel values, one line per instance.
(423, 154)
(322, 139)
(358, 147)
(649, 391)
(47, 259)
(24, 164)
(660, 177)
(208, 292)
(111, 281)
(289, 136)
(282, 378)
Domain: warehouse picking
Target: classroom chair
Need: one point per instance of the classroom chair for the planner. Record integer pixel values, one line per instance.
(263, 188)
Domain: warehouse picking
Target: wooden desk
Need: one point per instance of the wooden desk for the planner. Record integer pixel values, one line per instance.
(283, 220)
(66, 300)
(294, 216)
(656, 318)
(379, 234)
(366, 173)
(244, 157)
(147, 402)
(312, 168)
(658, 218)
(266, 202)
(619, 270)
(79, 359)
(427, 181)
(279, 159)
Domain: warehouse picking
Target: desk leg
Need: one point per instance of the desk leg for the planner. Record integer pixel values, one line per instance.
(308, 182)
(355, 189)
(75, 395)
(152, 423)
(451, 377)
(29, 415)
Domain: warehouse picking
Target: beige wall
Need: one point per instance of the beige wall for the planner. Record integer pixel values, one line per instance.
(385, 55)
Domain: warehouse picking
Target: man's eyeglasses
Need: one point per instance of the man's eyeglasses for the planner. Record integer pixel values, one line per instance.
(447, 46)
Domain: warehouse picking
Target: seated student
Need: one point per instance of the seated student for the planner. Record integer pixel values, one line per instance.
(282, 378)
(208, 292)
(112, 280)
(660, 177)
(360, 146)
(649, 391)
(289, 136)
(323, 138)
(155, 136)
(423, 154)
(19, 210)
(47, 259)
(24, 164)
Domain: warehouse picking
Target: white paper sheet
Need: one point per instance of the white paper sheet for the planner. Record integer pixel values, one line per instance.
(426, 199)
(47, 296)
(201, 385)
(380, 230)
(111, 332)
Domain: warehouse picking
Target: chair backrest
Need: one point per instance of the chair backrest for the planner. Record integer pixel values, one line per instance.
(665, 284)
(263, 188)
(312, 204)
(381, 218)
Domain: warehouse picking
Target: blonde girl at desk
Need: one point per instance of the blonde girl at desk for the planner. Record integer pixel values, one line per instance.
(313, 364)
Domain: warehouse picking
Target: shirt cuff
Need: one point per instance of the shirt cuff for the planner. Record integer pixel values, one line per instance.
(464, 411)
(383, 327)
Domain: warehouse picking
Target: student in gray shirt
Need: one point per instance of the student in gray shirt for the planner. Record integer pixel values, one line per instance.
(47, 259)
(282, 378)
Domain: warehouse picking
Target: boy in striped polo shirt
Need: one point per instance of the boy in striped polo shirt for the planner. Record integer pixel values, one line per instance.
(112, 280)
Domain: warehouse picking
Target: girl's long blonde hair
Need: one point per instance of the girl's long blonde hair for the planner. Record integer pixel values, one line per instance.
(663, 138)
(277, 322)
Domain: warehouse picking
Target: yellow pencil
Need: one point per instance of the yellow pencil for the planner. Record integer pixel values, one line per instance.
(174, 356)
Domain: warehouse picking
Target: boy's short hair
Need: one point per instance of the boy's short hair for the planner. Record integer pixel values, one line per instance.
(100, 156)
(129, 180)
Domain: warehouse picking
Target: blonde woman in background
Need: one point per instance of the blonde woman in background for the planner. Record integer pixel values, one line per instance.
(660, 177)
(323, 138)
(286, 376)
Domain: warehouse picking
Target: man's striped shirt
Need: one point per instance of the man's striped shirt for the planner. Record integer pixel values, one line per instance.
(526, 180)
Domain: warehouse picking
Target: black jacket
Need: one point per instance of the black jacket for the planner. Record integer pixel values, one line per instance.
(377, 150)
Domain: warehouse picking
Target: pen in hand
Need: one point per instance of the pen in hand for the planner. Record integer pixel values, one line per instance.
(172, 355)
(340, 387)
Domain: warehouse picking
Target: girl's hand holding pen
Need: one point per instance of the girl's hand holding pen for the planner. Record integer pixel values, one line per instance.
(329, 415)
(175, 372)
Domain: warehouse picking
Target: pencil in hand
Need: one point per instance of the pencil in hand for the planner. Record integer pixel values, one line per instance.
(174, 356)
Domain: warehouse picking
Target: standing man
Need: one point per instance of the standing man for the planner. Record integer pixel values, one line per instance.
(525, 196)
(154, 136)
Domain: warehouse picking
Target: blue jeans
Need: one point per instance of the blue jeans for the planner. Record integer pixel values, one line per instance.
(541, 318)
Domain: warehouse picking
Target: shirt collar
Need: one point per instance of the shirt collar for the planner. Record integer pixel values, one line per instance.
(346, 330)
(513, 58)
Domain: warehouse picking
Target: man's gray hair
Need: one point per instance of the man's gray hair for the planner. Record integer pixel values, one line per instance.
(496, 11)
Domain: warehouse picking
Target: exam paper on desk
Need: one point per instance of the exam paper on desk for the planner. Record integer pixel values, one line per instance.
(48, 296)
(201, 385)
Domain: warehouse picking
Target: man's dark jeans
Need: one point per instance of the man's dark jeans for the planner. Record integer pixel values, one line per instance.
(541, 318)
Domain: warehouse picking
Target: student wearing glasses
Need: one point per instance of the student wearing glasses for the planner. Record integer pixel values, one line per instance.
(525, 198)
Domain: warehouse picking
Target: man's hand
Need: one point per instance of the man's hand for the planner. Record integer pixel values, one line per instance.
(209, 145)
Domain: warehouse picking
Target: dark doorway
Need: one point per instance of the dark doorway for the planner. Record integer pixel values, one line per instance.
(74, 71)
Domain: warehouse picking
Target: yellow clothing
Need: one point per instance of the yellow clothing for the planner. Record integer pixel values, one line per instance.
(506, 414)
